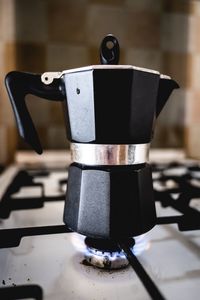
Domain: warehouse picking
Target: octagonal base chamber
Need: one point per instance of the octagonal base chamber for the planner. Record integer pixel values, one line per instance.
(110, 202)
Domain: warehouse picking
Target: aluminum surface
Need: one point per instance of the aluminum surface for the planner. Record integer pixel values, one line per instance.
(95, 154)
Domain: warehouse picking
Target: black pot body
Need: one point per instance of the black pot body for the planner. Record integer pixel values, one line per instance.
(110, 202)
(111, 106)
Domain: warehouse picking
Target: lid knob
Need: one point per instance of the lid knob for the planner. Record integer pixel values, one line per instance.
(109, 50)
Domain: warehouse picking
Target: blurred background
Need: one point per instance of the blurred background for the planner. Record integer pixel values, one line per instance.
(48, 35)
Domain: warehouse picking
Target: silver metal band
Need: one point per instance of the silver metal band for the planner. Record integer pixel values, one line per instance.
(96, 154)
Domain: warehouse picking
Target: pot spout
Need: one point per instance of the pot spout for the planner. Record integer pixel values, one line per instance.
(166, 87)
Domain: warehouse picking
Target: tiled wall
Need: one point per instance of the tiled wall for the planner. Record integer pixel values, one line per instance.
(192, 105)
(51, 35)
(68, 35)
(174, 43)
(8, 137)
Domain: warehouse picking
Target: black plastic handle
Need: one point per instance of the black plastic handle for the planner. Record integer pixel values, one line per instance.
(109, 50)
(18, 85)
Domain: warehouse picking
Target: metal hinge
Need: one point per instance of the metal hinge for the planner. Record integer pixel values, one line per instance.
(48, 77)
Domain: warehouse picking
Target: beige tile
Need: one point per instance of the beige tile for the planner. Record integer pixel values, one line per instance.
(31, 20)
(62, 56)
(30, 57)
(45, 113)
(108, 2)
(195, 71)
(178, 66)
(145, 5)
(133, 29)
(146, 58)
(195, 7)
(7, 20)
(169, 129)
(174, 113)
(94, 55)
(25, 56)
(2, 103)
(40, 110)
(193, 108)
(8, 141)
(57, 114)
(122, 57)
(178, 6)
(142, 29)
(6, 113)
(12, 139)
(43, 133)
(66, 20)
(192, 32)
(175, 32)
(1, 21)
(3, 143)
(50, 117)
(192, 141)
(43, 136)
(9, 56)
(1, 57)
(57, 138)
(102, 20)
(193, 42)
(168, 137)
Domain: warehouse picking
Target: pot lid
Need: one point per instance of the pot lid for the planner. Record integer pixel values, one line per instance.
(109, 57)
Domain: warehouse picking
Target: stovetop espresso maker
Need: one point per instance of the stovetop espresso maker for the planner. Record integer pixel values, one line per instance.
(110, 113)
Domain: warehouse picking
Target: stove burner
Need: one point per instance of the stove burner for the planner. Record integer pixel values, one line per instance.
(105, 254)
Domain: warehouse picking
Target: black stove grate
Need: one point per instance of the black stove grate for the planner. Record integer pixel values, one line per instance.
(182, 185)
(21, 292)
(175, 186)
(25, 178)
(139, 270)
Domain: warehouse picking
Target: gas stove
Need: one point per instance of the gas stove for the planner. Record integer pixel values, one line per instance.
(40, 258)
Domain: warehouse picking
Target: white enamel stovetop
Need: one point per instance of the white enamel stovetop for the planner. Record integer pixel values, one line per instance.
(171, 257)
